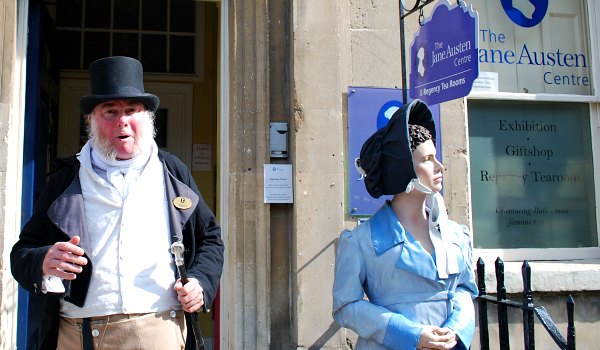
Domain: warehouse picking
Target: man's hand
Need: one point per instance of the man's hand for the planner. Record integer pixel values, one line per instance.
(433, 337)
(64, 259)
(191, 296)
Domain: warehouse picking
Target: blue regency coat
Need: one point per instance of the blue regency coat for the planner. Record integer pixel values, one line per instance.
(403, 291)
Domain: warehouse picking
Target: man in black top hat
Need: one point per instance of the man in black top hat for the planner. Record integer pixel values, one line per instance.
(95, 254)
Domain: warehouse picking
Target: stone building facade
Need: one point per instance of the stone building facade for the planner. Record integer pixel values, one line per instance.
(282, 61)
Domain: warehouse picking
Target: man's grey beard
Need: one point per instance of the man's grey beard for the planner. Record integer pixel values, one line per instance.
(143, 138)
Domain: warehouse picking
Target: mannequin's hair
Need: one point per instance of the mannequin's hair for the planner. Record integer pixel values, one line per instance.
(417, 135)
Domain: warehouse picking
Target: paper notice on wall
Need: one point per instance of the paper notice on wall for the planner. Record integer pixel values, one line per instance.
(278, 183)
(201, 157)
(486, 82)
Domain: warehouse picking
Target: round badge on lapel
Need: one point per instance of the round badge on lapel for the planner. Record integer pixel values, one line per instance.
(182, 203)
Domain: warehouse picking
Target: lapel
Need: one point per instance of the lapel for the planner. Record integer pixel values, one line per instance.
(387, 232)
(414, 258)
(67, 211)
(179, 214)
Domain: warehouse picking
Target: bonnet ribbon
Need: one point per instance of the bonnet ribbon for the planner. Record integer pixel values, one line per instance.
(446, 259)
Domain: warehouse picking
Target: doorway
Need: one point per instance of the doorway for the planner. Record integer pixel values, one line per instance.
(179, 48)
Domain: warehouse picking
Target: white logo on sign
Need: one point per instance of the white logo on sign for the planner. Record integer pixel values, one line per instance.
(390, 112)
(421, 66)
(525, 7)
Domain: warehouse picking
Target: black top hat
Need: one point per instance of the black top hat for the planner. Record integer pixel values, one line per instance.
(386, 156)
(116, 78)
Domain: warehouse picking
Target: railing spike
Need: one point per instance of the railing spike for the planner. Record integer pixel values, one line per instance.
(527, 289)
(481, 276)
(528, 320)
(570, 323)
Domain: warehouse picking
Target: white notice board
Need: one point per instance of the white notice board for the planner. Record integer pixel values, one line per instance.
(278, 183)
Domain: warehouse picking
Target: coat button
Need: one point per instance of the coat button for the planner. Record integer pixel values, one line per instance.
(95, 333)
(450, 295)
(173, 314)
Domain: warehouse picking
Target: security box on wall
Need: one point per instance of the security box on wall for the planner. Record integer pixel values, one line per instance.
(278, 135)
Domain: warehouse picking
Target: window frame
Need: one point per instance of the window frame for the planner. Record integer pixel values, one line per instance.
(198, 36)
(594, 119)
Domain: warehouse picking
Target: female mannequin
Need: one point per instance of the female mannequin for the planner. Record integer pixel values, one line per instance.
(413, 264)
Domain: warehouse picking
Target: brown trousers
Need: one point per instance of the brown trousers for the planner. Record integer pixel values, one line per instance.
(158, 331)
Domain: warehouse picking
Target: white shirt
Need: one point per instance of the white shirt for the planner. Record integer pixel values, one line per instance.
(128, 241)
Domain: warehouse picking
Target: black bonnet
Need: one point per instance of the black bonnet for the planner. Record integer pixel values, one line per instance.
(386, 157)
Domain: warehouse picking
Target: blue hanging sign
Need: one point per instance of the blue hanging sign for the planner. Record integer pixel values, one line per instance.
(444, 61)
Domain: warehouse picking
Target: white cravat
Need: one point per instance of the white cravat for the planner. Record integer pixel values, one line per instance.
(121, 173)
(121, 178)
(445, 258)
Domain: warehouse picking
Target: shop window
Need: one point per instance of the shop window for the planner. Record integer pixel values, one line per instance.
(160, 32)
(532, 177)
(534, 47)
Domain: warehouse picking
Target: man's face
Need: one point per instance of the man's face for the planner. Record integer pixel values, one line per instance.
(120, 128)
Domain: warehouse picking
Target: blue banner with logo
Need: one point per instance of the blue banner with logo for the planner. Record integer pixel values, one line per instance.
(370, 109)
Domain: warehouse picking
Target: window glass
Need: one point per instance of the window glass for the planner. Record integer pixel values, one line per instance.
(70, 47)
(127, 14)
(68, 13)
(125, 44)
(97, 14)
(96, 46)
(153, 15)
(183, 16)
(154, 53)
(534, 47)
(181, 58)
(164, 41)
(531, 175)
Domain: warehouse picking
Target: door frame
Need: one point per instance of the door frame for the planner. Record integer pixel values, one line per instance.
(222, 323)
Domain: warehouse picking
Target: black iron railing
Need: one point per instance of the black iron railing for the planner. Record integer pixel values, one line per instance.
(526, 305)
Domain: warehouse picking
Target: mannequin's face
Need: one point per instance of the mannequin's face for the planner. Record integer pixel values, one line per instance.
(427, 167)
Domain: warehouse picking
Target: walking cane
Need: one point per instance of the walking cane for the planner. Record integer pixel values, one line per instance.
(177, 250)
